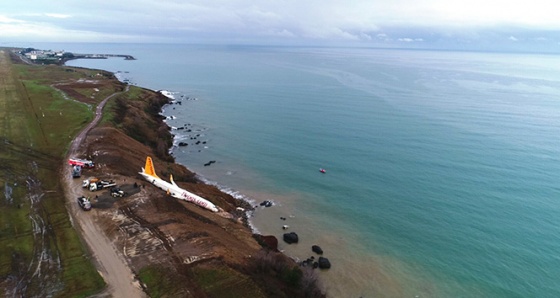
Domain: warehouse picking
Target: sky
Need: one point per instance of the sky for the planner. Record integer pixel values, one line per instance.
(483, 24)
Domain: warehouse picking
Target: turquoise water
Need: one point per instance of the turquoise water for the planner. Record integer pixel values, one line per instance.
(441, 166)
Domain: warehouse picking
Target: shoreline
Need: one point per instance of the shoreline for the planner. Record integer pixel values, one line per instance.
(247, 239)
(295, 252)
(344, 260)
(235, 194)
(389, 222)
(297, 222)
(282, 212)
(244, 220)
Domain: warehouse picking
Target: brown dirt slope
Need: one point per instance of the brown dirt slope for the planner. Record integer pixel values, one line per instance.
(177, 248)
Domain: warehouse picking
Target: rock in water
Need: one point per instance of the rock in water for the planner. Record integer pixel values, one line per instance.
(266, 203)
(324, 263)
(316, 249)
(291, 238)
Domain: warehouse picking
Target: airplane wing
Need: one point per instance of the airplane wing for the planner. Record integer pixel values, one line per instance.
(172, 182)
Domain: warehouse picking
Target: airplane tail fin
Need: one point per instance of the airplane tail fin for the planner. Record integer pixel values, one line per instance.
(149, 168)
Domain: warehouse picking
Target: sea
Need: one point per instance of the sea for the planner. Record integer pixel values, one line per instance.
(440, 167)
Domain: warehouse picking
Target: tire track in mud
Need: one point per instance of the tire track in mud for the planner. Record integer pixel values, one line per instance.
(127, 210)
(119, 277)
(46, 269)
(35, 271)
(42, 276)
(181, 265)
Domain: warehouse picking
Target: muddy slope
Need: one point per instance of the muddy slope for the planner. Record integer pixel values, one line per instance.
(198, 253)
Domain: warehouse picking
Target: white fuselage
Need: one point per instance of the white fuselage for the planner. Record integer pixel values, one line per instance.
(175, 191)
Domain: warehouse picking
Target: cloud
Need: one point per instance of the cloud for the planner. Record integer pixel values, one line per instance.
(282, 33)
(463, 13)
(8, 20)
(58, 15)
(513, 38)
(22, 30)
(408, 39)
(352, 21)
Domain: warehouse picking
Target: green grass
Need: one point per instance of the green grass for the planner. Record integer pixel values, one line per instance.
(78, 281)
(108, 115)
(21, 245)
(36, 127)
(224, 282)
(218, 281)
(16, 233)
(51, 73)
(160, 282)
(213, 281)
(134, 93)
(55, 120)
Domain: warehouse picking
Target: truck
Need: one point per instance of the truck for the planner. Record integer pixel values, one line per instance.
(84, 163)
(76, 171)
(101, 185)
(87, 182)
(94, 184)
(117, 192)
(84, 203)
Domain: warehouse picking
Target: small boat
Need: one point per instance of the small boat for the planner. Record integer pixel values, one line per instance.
(322, 170)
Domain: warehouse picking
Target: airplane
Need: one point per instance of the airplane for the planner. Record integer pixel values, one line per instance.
(149, 173)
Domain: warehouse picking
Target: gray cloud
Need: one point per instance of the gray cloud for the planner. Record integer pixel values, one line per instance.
(353, 21)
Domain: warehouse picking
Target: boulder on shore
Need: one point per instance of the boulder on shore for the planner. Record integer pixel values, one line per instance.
(266, 203)
(324, 263)
(316, 249)
(291, 237)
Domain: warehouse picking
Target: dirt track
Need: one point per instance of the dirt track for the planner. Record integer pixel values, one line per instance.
(178, 241)
(110, 263)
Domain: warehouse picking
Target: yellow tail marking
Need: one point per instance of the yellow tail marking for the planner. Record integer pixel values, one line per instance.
(149, 168)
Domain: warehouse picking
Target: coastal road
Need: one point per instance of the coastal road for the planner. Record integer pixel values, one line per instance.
(109, 262)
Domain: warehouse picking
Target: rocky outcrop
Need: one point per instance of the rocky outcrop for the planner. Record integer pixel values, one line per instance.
(266, 203)
(267, 241)
(291, 237)
(316, 249)
(324, 263)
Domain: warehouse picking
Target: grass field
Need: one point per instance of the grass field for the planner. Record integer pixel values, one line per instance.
(42, 108)
(40, 252)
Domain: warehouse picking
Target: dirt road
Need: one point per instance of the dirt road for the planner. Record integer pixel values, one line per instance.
(109, 262)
